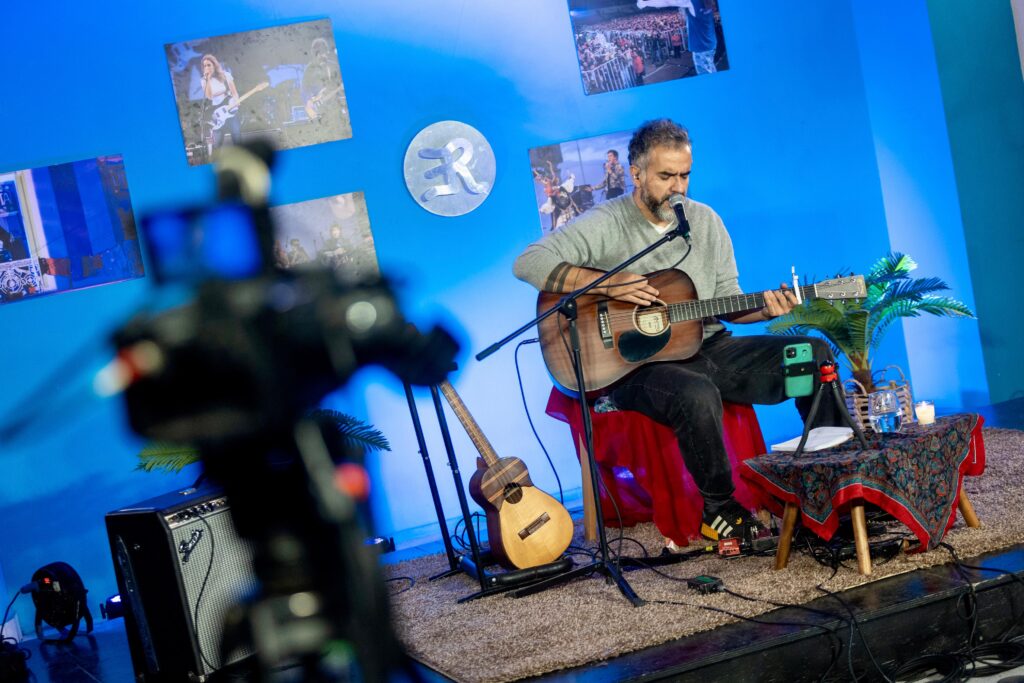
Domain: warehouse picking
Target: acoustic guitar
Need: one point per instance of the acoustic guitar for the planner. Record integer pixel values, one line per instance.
(227, 111)
(525, 526)
(617, 337)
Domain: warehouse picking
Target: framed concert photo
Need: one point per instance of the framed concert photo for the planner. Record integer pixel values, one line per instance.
(282, 84)
(628, 43)
(332, 231)
(570, 177)
(66, 227)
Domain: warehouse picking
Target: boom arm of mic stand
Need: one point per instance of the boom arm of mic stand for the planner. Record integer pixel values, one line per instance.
(561, 305)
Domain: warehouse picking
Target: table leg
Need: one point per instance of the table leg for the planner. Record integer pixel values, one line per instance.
(967, 510)
(860, 539)
(789, 516)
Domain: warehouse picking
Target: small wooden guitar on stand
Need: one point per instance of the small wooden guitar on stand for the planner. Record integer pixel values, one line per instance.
(525, 526)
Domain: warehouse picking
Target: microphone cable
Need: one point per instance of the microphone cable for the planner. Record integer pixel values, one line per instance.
(529, 418)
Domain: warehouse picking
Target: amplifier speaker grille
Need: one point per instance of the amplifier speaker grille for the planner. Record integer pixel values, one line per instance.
(179, 567)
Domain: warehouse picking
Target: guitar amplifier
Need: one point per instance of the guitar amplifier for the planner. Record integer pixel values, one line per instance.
(179, 567)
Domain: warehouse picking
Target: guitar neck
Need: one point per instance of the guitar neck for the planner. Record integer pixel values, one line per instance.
(738, 303)
(487, 451)
(250, 93)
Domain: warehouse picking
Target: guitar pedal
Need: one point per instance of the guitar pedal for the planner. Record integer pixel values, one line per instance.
(727, 547)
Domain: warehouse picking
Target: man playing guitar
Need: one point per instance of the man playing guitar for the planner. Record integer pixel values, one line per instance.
(323, 93)
(686, 394)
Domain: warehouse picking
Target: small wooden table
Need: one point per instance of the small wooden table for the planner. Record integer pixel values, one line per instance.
(915, 475)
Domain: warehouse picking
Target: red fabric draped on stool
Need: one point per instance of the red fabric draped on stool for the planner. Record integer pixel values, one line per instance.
(640, 463)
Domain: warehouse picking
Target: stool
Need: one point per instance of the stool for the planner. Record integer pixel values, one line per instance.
(916, 476)
(860, 531)
(640, 465)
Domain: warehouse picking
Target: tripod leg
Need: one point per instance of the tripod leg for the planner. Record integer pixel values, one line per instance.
(808, 420)
(841, 408)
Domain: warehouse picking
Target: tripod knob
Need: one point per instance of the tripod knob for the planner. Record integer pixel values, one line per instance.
(828, 372)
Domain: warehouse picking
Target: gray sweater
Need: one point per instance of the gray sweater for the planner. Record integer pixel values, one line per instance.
(613, 231)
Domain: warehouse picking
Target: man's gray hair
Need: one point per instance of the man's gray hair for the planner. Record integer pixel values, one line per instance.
(659, 132)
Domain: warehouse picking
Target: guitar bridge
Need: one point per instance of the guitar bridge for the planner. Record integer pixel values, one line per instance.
(604, 325)
(534, 526)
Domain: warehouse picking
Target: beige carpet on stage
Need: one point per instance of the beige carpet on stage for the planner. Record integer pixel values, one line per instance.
(499, 638)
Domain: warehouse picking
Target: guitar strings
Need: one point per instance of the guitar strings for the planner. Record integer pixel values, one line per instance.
(696, 303)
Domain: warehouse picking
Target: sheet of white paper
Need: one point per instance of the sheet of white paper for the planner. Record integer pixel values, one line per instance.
(818, 439)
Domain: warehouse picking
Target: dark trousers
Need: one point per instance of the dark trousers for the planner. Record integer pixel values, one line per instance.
(687, 396)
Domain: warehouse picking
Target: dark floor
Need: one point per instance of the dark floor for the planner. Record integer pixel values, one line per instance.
(900, 615)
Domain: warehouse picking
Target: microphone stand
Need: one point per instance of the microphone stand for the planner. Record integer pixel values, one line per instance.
(567, 307)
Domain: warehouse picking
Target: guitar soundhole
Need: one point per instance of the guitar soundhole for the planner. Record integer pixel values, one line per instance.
(513, 493)
(651, 320)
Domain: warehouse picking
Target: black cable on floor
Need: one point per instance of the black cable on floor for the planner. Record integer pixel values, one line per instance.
(412, 582)
(835, 645)
(952, 668)
(854, 624)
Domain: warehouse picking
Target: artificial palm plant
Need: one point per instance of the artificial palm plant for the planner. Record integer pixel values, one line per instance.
(352, 433)
(855, 328)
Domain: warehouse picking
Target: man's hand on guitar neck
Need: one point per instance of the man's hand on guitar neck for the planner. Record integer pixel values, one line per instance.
(624, 286)
(776, 302)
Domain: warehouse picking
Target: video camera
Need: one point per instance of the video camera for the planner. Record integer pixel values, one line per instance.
(257, 344)
(234, 371)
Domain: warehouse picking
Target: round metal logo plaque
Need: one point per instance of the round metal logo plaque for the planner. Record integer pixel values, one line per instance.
(449, 168)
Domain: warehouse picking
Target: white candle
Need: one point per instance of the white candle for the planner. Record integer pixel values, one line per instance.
(925, 411)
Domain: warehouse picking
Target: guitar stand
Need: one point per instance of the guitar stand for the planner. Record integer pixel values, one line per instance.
(829, 381)
(478, 559)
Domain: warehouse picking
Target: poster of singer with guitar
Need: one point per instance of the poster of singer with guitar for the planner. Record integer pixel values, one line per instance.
(282, 84)
(220, 91)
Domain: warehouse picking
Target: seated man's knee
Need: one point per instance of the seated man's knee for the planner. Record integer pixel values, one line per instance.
(699, 396)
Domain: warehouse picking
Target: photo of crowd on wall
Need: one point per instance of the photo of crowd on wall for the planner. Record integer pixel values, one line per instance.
(332, 231)
(571, 177)
(628, 43)
(282, 84)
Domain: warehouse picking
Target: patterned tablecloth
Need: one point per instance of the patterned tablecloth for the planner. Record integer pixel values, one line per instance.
(914, 475)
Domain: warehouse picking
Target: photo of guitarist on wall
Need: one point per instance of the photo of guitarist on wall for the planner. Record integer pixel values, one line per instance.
(282, 84)
(322, 88)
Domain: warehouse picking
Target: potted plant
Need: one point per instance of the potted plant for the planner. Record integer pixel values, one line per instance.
(855, 328)
(352, 432)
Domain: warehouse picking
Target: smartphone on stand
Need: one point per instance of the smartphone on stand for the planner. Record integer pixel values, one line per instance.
(798, 365)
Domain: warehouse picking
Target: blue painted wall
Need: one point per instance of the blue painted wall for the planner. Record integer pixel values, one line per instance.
(784, 148)
(922, 209)
(983, 94)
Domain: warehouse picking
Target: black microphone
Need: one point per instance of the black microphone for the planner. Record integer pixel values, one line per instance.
(683, 228)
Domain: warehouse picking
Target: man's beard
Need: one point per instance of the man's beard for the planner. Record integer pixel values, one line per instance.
(661, 209)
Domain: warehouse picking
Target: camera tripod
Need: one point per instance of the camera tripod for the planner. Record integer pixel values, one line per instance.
(828, 382)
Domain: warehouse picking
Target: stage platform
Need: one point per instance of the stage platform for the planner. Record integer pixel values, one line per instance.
(899, 618)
